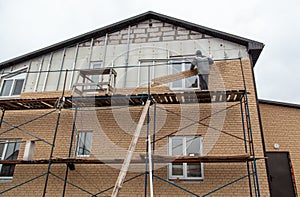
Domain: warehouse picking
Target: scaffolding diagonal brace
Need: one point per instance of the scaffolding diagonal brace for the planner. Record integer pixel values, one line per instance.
(131, 149)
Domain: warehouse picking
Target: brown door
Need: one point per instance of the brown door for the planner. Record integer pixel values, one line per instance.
(280, 174)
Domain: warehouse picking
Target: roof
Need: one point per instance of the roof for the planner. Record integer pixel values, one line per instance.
(254, 47)
(283, 104)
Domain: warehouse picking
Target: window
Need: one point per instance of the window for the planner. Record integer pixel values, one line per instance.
(187, 83)
(9, 150)
(95, 78)
(12, 86)
(185, 146)
(84, 143)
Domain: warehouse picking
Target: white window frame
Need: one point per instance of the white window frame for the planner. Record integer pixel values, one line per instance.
(77, 143)
(16, 75)
(6, 142)
(184, 176)
(183, 81)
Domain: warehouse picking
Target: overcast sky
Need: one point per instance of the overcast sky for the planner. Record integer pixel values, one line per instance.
(29, 25)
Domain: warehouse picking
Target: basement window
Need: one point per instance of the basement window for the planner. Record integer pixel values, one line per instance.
(12, 85)
(185, 146)
(84, 143)
(9, 150)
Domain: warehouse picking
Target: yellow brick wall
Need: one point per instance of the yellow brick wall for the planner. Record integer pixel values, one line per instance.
(281, 126)
(112, 129)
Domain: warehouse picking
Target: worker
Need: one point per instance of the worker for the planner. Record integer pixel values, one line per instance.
(203, 66)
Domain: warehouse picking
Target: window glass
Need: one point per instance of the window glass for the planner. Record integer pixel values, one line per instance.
(177, 146)
(191, 82)
(177, 169)
(8, 151)
(193, 169)
(84, 143)
(176, 67)
(1, 149)
(88, 143)
(18, 87)
(7, 84)
(192, 146)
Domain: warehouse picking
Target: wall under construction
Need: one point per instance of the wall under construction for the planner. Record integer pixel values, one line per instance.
(112, 133)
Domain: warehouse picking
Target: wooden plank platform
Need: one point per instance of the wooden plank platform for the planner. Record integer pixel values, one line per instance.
(141, 160)
(123, 100)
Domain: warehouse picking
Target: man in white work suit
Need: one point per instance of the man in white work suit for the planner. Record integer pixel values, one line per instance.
(203, 66)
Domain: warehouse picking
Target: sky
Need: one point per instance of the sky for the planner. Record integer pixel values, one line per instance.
(26, 26)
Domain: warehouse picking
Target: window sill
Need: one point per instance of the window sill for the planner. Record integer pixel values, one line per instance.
(6, 179)
(83, 156)
(9, 97)
(187, 181)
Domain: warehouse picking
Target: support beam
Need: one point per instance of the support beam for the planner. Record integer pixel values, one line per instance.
(130, 152)
(47, 72)
(61, 67)
(38, 75)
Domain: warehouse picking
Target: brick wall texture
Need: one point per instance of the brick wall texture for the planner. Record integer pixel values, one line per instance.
(281, 126)
(112, 132)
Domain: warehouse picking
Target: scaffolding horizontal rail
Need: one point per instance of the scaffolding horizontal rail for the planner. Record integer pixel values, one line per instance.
(141, 160)
(121, 100)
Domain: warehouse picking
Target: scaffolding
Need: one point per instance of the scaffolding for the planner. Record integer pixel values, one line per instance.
(238, 97)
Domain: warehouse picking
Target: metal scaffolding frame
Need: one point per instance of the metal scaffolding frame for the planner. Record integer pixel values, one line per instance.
(138, 100)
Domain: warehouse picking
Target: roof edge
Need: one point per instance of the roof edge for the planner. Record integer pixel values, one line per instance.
(279, 103)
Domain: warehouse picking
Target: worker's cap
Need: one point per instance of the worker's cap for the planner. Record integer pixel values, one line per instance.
(198, 52)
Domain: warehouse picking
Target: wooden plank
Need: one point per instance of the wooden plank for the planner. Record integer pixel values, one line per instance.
(141, 159)
(131, 149)
(173, 77)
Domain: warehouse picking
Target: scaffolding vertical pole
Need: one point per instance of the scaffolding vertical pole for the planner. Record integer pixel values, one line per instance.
(249, 130)
(246, 149)
(251, 147)
(147, 140)
(70, 150)
(150, 165)
(60, 105)
(154, 133)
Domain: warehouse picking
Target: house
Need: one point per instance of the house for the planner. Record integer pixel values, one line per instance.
(117, 111)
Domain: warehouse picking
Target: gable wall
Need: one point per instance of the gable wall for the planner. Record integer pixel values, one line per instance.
(121, 49)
